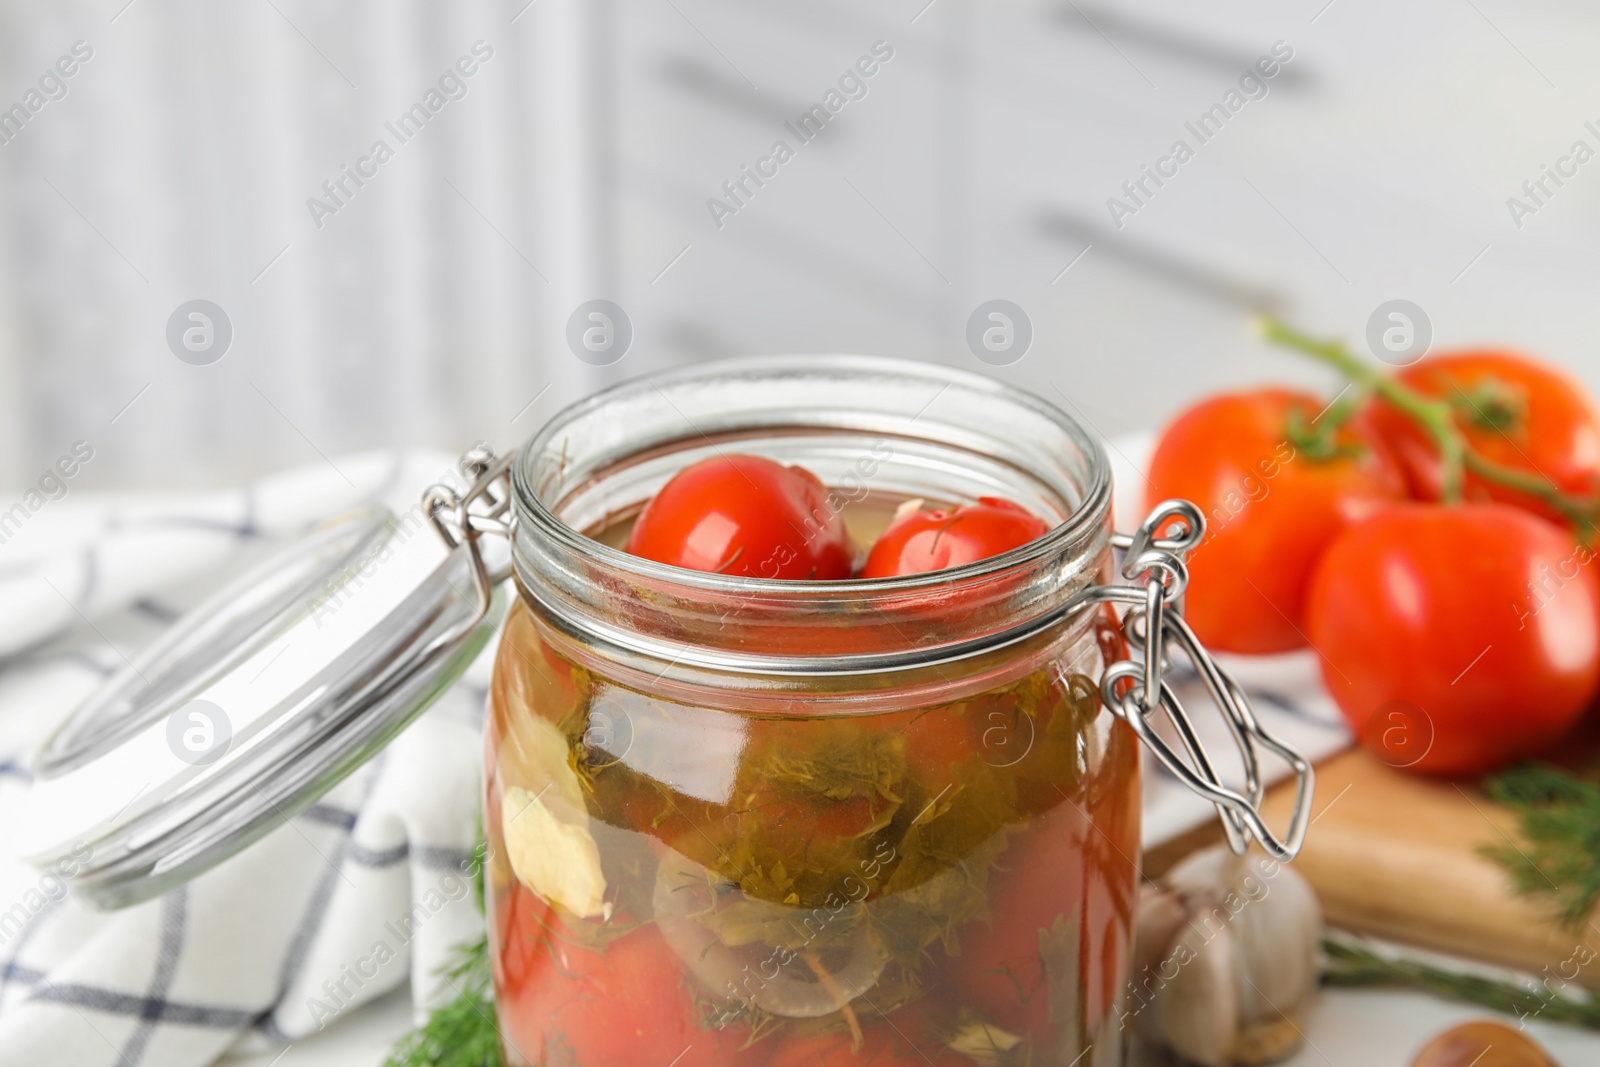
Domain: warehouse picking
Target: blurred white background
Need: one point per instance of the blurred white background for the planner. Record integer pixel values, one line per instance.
(431, 308)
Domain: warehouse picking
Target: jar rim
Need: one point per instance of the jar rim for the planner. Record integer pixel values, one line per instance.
(1090, 515)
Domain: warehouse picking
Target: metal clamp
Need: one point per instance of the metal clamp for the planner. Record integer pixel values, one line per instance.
(1135, 690)
(461, 519)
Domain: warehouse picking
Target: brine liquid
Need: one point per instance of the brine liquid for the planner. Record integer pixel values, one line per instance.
(689, 885)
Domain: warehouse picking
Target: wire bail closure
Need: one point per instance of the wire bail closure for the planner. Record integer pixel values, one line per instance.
(484, 508)
(1135, 689)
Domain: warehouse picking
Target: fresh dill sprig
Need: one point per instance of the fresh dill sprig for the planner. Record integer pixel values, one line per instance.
(462, 1033)
(1558, 860)
(1559, 820)
(1352, 964)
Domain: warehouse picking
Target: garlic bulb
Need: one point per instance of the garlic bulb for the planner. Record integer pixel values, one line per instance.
(1226, 956)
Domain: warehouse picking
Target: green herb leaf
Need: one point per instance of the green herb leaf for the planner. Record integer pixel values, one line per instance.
(1350, 963)
(1559, 819)
(463, 1032)
(1558, 860)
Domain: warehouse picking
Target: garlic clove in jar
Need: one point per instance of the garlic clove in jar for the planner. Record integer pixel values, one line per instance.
(1225, 959)
(907, 507)
(556, 857)
(546, 831)
(983, 1043)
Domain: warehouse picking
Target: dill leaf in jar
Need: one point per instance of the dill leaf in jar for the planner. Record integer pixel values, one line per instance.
(813, 802)
(909, 921)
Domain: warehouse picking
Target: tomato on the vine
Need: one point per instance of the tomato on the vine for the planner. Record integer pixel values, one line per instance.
(1457, 639)
(1271, 507)
(1513, 411)
(933, 539)
(561, 1001)
(747, 516)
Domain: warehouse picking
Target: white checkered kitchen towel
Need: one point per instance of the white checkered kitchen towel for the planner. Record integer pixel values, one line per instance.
(360, 892)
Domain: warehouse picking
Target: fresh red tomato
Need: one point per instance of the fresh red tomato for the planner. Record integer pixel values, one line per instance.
(931, 539)
(883, 1045)
(1457, 639)
(561, 1002)
(1512, 410)
(748, 516)
(1270, 509)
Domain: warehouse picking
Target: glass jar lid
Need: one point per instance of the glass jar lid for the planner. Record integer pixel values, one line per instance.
(263, 698)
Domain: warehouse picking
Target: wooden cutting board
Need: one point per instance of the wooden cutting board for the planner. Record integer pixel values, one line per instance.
(1396, 856)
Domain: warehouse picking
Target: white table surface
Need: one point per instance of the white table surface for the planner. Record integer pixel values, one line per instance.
(1345, 1028)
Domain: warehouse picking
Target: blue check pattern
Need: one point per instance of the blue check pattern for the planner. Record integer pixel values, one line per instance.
(278, 941)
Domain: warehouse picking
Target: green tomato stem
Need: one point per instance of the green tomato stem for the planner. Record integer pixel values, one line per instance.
(1437, 419)
(1319, 438)
(1581, 512)
(1433, 416)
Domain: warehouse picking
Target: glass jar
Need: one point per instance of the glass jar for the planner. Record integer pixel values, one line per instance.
(739, 821)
